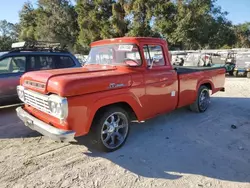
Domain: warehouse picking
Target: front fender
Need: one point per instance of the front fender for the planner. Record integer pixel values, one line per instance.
(128, 98)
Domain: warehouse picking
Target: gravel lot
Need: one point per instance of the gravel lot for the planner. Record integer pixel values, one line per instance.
(180, 149)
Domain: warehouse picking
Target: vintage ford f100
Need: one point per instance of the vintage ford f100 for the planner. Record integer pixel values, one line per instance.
(124, 79)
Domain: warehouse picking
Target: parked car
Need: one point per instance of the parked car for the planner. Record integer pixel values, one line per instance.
(224, 59)
(178, 58)
(242, 65)
(194, 59)
(25, 57)
(120, 82)
(81, 58)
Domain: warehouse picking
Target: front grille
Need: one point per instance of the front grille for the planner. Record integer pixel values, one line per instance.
(37, 100)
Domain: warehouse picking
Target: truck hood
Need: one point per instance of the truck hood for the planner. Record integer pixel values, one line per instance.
(76, 81)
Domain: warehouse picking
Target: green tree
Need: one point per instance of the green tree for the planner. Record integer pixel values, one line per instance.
(52, 20)
(189, 24)
(194, 24)
(141, 14)
(164, 14)
(193, 18)
(221, 33)
(8, 34)
(242, 32)
(119, 23)
(56, 21)
(94, 20)
(28, 17)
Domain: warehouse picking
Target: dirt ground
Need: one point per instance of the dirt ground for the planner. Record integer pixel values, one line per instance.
(180, 149)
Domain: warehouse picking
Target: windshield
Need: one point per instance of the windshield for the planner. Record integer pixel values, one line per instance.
(242, 55)
(193, 57)
(1, 53)
(115, 54)
(243, 60)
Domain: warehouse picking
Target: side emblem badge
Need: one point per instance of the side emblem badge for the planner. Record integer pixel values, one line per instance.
(114, 85)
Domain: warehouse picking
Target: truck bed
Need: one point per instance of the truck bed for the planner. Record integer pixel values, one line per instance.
(191, 77)
(190, 69)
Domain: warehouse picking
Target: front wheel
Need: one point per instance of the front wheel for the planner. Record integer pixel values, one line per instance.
(110, 129)
(202, 101)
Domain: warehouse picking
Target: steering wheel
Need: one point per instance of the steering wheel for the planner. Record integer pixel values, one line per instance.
(106, 61)
(130, 62)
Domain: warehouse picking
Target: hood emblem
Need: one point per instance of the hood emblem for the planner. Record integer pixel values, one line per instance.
(34, 84)
(114, 85)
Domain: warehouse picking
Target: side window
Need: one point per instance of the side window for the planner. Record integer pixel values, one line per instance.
(134, 54)
(42, 62)
(154, 55)
(33, 63)
(65, 62)
(13, 64)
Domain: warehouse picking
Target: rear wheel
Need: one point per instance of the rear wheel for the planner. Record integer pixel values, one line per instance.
(110, 129)
(202, 101)
(230, 68)
(231, 73)
(248, 74)
(235, 73)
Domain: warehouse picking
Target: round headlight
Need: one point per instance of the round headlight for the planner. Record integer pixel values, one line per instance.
(20, 94)
(58, 106)
(59, 109)
(53, 107)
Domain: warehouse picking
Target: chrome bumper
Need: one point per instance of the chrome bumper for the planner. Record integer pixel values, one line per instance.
(44, 128)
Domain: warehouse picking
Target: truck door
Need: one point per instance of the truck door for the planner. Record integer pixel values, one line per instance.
(161, 81)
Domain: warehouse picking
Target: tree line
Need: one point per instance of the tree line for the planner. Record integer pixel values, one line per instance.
(185, 24)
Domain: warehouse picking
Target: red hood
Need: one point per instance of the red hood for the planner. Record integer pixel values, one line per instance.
(75, 81)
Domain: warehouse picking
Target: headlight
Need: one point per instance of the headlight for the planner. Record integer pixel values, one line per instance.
(20, 92)
(58, 106)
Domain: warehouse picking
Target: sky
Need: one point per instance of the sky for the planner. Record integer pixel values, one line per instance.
(239, 11)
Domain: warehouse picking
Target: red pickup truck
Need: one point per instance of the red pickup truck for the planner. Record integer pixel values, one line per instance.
(124, 79)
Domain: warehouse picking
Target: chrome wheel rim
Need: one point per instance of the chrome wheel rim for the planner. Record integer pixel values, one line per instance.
(204, 100)
(114, 130)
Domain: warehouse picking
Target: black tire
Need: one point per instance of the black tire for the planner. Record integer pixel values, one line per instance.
(248, 74)
(197, 106)
(231, 73)
(98, 125)
(235, 73)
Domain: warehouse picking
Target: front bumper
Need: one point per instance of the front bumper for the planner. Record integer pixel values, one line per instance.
(44, 128)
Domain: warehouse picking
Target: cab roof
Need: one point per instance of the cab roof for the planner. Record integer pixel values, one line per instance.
(135, 40)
